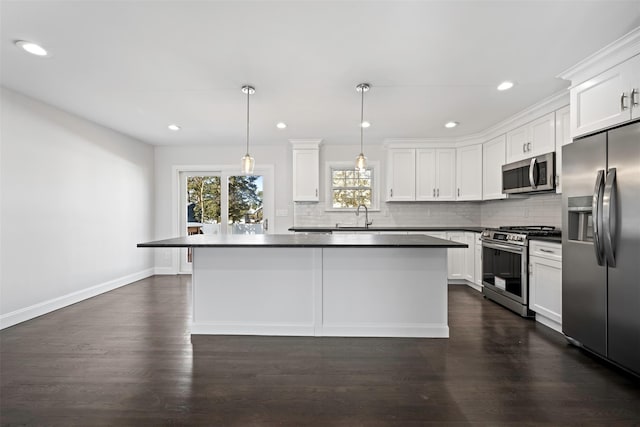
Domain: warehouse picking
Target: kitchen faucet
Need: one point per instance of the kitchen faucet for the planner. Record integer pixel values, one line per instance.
(367, 223)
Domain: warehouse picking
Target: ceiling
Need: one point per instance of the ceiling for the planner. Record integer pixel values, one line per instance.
(137, 66)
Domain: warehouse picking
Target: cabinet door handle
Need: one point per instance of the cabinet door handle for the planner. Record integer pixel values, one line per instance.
(458, 192)
(391, 192)
(316, 192)
(438, 192)
(528, 146)
(623, 96)
(634, 101)
(524, 148)
(434, 192)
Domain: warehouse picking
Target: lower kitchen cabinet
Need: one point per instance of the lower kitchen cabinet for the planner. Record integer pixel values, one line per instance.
(545, 283)
(463, 263)
(478, 263)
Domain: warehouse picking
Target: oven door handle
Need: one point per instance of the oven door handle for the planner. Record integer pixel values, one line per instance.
(507, 248)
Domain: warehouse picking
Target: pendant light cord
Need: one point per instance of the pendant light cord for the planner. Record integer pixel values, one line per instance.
(361, 120)
(248, 94)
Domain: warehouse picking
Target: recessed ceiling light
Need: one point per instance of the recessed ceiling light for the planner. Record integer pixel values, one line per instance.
(365, 124)
(505, 85)
(451, 124)
(281, 125)
(32, 48)
(174, 127)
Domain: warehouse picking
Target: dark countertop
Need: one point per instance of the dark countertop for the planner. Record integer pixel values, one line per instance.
(330, 228)
(305, 241)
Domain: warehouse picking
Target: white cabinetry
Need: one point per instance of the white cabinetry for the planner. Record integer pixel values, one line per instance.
(545, 283)
(563, 137)
(421, 174)
(306, 170)
(607, 99)
(493, 158)
(469, 172)
(532, 139)
(463, 263)
(401, 174)
(478, 262)
(455, 256)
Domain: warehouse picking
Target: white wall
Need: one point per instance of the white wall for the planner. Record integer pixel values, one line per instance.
(75, 199)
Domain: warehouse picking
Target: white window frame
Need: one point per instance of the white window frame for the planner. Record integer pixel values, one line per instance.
(375, 184)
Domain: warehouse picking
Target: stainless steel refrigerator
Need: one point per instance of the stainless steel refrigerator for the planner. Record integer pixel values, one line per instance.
(601, 244)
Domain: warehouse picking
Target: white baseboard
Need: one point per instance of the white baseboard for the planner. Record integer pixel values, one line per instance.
(403, 331)
(27, 313)
(406, 331)
(549, 323)
(228, 328)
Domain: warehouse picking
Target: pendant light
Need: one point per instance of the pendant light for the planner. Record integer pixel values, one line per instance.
(361, 160)
(247, 161)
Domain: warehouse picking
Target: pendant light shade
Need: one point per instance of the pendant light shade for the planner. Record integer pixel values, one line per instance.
(361, 160)
(247, 162)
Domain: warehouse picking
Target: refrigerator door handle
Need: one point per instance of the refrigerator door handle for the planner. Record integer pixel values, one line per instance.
(596, 214)
(532, 179)
(609, 220)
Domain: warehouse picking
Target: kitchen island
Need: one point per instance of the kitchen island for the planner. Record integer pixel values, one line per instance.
(318, 285)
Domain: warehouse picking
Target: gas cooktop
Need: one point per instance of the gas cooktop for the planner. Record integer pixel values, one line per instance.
(519, 234)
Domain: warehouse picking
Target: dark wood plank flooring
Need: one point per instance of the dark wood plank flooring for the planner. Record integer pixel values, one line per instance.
(126, 358)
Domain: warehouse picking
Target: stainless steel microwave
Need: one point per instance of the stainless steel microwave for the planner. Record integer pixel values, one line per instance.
(530, 176)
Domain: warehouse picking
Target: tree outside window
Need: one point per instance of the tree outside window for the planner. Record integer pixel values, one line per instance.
(350, 188)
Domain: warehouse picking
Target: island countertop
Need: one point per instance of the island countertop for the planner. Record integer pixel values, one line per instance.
(304, 240)
(346, 228)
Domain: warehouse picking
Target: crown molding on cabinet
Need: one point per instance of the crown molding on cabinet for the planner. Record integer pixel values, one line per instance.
(307, 143)
(608, 57)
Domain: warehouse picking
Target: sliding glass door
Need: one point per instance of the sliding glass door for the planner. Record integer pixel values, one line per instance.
(221, 202)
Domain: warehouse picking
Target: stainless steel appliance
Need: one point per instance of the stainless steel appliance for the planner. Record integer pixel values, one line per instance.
(601, 244)
(530, 176)
(505, 265)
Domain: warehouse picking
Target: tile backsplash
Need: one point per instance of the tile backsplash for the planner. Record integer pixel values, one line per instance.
(531, 210)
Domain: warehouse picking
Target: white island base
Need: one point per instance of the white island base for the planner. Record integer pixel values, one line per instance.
(320, 291)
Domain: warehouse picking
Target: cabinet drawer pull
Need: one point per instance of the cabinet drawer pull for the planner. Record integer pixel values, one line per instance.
(547, 251)
(634, 101)
(623, 96)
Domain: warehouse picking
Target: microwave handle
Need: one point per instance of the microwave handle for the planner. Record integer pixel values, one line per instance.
(609, 220)
(532, 179)
(596, 214)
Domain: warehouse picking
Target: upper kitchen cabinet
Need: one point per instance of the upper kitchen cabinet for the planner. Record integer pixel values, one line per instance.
(435, 174)
(606, 100)
(421, 174)
(605, 86)
(401, 175)
(563, 137)
(469, 172)
(532, 139)
(493, 158)
(306, 170)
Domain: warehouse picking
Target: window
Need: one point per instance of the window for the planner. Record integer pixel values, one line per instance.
(350, 188)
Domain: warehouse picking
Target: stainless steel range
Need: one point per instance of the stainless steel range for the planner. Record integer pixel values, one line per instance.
(505, 264)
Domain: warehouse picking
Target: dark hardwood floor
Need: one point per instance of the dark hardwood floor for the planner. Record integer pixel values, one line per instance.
(126, 358)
